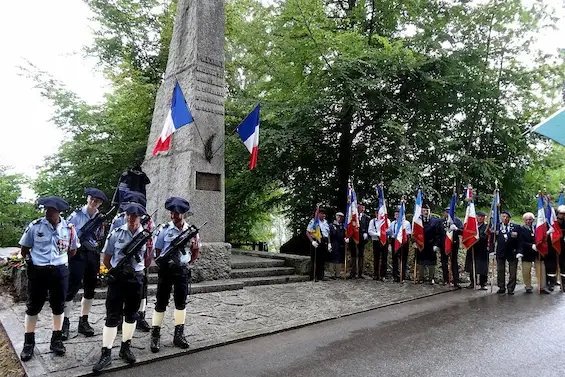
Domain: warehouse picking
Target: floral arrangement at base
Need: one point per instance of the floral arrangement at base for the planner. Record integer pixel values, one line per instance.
(103, 276)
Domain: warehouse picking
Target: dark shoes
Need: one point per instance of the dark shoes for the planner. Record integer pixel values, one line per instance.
(501, 291)
(57, 345)
(105, 360)
(483, 288)
(545, 291)
(142, 324)
(126, 354)
(155, 339)
(179, 340)
(66, 328)
(529, 290)
(84, 327)
(29, 345)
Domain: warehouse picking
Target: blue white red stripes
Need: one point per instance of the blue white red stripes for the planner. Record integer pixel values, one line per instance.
(352, 215)
(541, 228)
(450, 220)
(382, 216)
(248, 131)
(400, 233)
(470, 226)
(417, 224)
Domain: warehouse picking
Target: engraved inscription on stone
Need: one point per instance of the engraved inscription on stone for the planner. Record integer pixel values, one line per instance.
(207, 89)
(210, 71)
(203, 79)
(211, 61)
(208, 181)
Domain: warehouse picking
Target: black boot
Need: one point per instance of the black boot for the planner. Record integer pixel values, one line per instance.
(142, 324)
(126, 354)
(65, 329)
(57, 345)
(84, 327)
(105, 360)
(155, 339)
(179, 340)
(29, 345)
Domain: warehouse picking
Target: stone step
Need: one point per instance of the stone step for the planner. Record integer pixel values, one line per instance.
(237, 263)
(261, 272)
(268, 280)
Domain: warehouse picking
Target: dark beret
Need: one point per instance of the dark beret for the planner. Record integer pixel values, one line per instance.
(134, 197)
(507, 212)
(95, 193)
(135, 209)
(54, 202)
(481, 213)
(176, 204)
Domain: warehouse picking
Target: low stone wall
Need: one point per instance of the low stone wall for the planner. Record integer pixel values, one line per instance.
(213, 263)
(300, 263)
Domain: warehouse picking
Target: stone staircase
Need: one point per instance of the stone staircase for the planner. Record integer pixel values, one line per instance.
(248, 268)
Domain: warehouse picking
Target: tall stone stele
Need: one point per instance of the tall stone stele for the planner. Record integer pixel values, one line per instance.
(193, 168)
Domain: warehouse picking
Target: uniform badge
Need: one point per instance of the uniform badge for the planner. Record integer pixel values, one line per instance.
(120, 240)
(63, 245)
(40, 234)
(170, 234)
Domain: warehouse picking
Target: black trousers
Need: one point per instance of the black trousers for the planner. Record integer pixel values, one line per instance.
(176, 278)
(482, 279)
(123, 298)
(396, 256)
(44, 281)
(380, 259)
(454, 265)
(501, 273)
(318, 258)
(357, 256)
(145, 283)
(83, 268)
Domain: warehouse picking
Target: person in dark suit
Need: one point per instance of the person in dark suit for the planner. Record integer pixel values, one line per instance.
(506, 250)
(456, 227)
(427, 257)
(528, 252)
(358, 250)
(481, 255)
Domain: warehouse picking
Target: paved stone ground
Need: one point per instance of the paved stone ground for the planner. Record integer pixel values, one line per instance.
(213, 319)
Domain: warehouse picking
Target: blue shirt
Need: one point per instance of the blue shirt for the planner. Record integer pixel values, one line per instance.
(168, 234)
(80, 217)
(120, 220)
(117, 241)
(49, 246)
(324, 227)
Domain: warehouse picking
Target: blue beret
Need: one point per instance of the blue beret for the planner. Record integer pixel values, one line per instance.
(481, 213)
(135, 209)
(134, 197)
(54, 202)
(506, 212)
(176, 204)
(95, 193)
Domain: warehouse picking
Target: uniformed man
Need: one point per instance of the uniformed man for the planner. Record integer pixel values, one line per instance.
(481, 255)
(120, 219)
(46, 245)
(173, 276)
(506, 250)
(527, 251)
(380, 250)
(320, 248)
(124, 293)
(399, 257)
(456, 227)
(85, 264)
(337, 255)
(561, 222)
(358, 250)
(427, 257)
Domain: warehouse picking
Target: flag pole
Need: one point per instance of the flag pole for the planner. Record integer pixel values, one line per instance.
(495, 238)
(474, 268)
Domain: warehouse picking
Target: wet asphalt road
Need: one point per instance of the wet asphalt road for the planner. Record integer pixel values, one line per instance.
(454, 334)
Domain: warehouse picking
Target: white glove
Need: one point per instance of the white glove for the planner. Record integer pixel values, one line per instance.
(549, 232)
(389, 248)
(415, 245)
(492, 254)
(365, 236)
(436, 249)
(514, 234)
(453, 227)
(315, 244)
(534, 247)
(329, 248)
(347, 240)
(519, 255)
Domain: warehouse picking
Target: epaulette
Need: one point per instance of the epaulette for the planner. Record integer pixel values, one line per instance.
(118, 215)
(36, 221)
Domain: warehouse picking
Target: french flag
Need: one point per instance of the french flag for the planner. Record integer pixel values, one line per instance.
(450, 221)
(417, 224)
(383, 215)
(351, 216)
(555, 230)
(541, 228)
(248, 131)
(400, 235)
(470, 226)
(179, 115)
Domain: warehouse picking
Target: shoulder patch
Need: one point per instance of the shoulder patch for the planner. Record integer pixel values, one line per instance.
(36, 221)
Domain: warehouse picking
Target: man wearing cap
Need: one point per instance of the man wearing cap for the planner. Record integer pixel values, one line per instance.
(527, 251)
(480, 249)
(124, 294)
(506, 250)
(456, 227)
(561, 222)
(173, 276)
(337, 254)
(46, 244)
(147, 223)
(399, 257)
(427, 257)
(380, 250)
(85, 264)
(319, 248)
(358, 250)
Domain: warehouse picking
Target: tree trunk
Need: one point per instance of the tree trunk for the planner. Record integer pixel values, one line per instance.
(344, 156)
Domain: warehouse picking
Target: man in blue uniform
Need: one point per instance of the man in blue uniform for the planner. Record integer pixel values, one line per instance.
(85, 265)
(173, 275)
(319, 248)
(120, 219)
(124, 293)
(46, 244)
(506, 250)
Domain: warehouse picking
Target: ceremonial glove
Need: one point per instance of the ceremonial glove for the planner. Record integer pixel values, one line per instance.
(514, 234)
(347, 240)
(329, 247)
(518, 256)
(549, 232)
(315, 244)
(365, 236)
(389, 248)
(534, 247)
(492, 254)
(453, 227)
(436, 249)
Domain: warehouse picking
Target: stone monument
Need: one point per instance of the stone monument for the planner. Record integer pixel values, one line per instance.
(193, 168)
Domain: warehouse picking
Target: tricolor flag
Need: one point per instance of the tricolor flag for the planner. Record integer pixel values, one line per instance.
(554, 229)
(248, 131)
(382, 215)
(400, 233)
(541, 228)
(450, 220)
(494, 218)
(316, 232)
(417, 224)
(179, 115)
(352, 216)
(470, 226)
